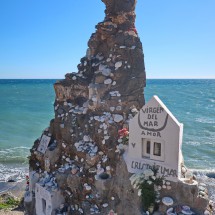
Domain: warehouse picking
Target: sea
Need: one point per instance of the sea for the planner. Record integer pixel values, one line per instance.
(26, 107)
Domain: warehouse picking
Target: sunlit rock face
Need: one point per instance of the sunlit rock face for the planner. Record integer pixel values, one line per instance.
(79, 156)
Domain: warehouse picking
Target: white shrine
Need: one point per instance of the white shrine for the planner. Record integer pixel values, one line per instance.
(46, 200)
(155, 138)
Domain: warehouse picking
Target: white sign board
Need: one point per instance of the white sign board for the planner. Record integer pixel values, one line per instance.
(44, 142)
(155, 138)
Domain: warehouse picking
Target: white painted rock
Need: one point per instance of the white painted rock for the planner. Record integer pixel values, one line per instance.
(117, 118)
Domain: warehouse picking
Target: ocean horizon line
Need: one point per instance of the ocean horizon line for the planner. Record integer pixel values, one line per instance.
(146, 79)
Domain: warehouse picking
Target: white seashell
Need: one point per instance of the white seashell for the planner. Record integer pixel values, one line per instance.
(112, 109)
(114, 83)
(164, 186)
(106, 72)
(108, 60)
(106, 137)
(74, 78)
(81, 210)
(108, 168)
(167, 201)
(101, 67)
(168, 187)
(105, 205)
(94, 99)
(88, 187)
(168, 183)
(101, 153)
(117, 118)
(159, 188)
(118, 64)
(103, 141)
(86, 138)
(118, 108)
(119, 140)
(108, 81)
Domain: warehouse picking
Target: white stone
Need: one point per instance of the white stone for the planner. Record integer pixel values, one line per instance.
(74, 78)
(117, 118)
(108, 81)
(108, 60)
(118, 64)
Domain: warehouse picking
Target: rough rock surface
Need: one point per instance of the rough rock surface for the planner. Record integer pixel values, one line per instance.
(82, 159)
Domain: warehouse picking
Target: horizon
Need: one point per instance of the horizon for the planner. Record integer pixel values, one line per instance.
(146, 79)
(51, 37)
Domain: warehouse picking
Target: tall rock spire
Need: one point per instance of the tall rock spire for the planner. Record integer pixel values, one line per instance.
(78, 158)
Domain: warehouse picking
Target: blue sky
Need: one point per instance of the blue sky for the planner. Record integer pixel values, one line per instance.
(47, 38)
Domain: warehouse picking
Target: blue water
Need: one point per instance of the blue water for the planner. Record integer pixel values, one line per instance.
(26, 107)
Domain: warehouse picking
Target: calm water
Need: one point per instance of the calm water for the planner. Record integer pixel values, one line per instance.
(26, 107)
